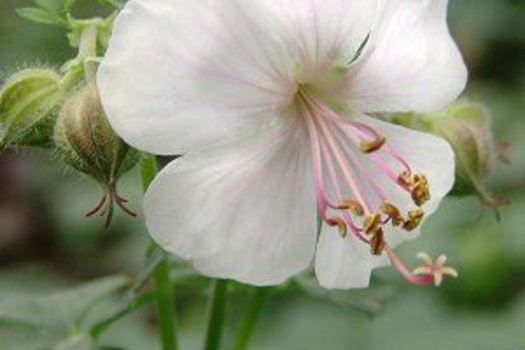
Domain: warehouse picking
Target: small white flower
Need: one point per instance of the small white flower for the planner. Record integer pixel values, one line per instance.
(271, 103)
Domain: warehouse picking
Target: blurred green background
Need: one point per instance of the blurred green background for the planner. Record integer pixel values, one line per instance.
(46, 244)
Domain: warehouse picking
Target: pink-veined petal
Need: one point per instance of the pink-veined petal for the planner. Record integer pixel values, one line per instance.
(324, 31)
(412, 62)
(344, 263)
(182, 75)
(245, 212)
(348, 263)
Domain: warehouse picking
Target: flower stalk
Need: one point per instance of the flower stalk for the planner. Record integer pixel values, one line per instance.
(88, 52)
(216, 313)
(249, 322)
(161, 276)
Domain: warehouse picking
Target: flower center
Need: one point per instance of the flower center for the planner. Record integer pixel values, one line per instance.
(338, 145)
(347, 155)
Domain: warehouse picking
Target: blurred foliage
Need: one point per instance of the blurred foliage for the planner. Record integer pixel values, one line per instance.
(46, 244)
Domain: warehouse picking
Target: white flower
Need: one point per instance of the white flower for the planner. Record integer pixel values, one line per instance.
(271, 103)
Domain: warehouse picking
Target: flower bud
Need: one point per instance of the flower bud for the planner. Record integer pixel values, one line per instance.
(29, 101)
(466, 126)
(86, 142)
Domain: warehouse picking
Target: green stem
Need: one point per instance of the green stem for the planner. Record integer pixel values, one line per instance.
(148, 170)
(250, 319)
(86, 68)
(165, 304)
(88, 52)
(216, 313)
(164, 293)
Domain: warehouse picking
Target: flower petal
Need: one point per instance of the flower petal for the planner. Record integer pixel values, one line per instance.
(413, 63)
(348, 263)
(324, 30)
(426, 154)
(344, 263)
(180, 75)
(245, 212)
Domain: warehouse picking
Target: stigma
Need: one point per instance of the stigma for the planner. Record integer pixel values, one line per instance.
(347, 156)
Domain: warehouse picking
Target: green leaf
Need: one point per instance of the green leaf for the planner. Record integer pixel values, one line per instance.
(111, 3)
(370, 301)
(78, 342)
(41, 16)
(66, 309)
(55, 321)
(132, 301)
(50, 5)
(68, 5)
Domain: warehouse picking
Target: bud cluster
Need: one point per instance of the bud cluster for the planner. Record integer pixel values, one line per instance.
(41, 107)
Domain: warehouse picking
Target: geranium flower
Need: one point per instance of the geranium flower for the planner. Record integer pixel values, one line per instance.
(273, 106)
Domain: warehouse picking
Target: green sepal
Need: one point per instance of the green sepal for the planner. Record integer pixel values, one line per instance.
(29, 101)
(466, 126)
(86, 142)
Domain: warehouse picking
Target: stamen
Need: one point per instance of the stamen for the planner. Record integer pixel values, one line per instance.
(337, 187)
(341, 225)
(393, 213)
(405, 179)
(372, 224)
(372, 146)
(420, 191)
(414, 219)
(336, 143)
(355, 207)
(318, 148)
(377, 243)
(417, 185)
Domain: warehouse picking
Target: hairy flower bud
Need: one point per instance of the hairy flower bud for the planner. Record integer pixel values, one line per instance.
(87, 143)
(29, 101)
(466, 126)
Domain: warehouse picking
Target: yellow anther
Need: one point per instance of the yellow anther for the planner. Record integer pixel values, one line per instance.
(393, 213)
(420, 190)
(372, 224)
(414, 219)
(417, 185)
(372, 146)
(405, 180)
(355, 207)
(341, 225)
(377, 242)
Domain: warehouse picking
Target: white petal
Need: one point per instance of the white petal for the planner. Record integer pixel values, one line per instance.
(427, 154)
(182, 74)
(344, 263)
(246, 212)
(347, 263)
(321, 30)
(413, 63)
